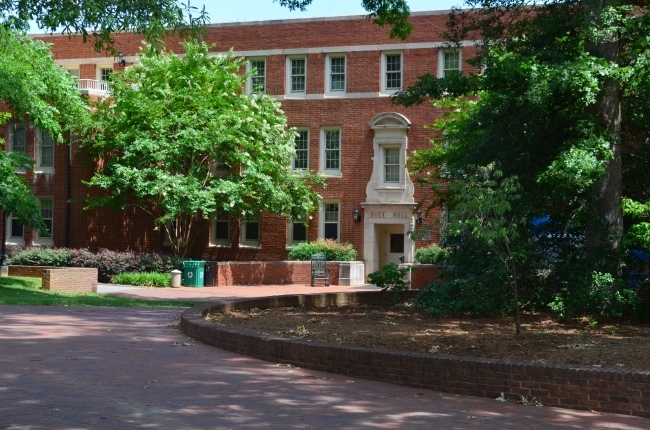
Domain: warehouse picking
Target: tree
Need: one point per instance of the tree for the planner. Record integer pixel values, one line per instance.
(180, 139)
(33, 88)
(99, 19)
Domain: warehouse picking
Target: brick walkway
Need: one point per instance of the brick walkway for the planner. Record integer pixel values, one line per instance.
(117, 368)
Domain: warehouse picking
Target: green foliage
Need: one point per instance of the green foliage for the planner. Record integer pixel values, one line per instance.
(42, 257)
(144, 279)
(597, 294)
(333, 251)
(25, 291)
(391, 278)
(171, 126)
(432, 255)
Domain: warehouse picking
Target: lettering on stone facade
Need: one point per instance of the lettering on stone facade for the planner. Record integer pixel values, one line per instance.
(399, 215)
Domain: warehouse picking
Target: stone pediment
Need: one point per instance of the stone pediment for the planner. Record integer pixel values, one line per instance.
(390, 120)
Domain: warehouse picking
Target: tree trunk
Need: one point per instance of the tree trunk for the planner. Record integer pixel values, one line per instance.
(515, 292)
(607, 227)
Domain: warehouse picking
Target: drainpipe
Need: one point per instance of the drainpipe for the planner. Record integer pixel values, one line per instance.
(4, 269)
(69, 192)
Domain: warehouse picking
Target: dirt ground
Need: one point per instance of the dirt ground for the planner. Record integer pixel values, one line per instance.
(544, 338)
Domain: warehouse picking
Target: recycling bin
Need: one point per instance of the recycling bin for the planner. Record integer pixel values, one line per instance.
(193, 273)
(211, 268)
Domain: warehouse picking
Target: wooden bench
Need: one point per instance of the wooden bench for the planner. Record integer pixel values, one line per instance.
(319, 269)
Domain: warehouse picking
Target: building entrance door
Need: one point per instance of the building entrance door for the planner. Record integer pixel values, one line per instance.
(390, 238)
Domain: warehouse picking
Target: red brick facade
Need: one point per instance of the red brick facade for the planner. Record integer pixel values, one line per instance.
(363, 46)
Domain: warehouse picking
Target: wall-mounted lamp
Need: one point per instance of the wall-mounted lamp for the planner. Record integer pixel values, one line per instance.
(356, 216)
(418, 218)
(120, 59)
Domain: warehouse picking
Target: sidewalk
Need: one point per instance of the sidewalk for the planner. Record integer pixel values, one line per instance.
(210, 294)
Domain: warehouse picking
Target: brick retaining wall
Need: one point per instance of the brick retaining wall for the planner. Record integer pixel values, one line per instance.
(270, 273)
(61, 279)
(620, 391)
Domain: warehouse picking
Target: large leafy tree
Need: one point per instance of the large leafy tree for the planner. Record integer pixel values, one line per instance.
(34, 89)
(180, 139)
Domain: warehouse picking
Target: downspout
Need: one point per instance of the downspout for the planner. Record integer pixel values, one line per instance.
(69, 192)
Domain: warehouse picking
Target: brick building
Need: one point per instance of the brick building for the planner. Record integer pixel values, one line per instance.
(334, 77)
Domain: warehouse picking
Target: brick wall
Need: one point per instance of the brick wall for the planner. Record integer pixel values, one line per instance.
(270, 273)
(422, 274)
(618, 391)
(61, 279)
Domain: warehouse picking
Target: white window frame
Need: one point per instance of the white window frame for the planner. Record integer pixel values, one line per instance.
(323, 149)
(382, 164)
(103, 85)
(45, 240)
(384, 72)
(223, 243)
(10, 238)
(11, 132)
(328, 75)
(323, 222)
(293, 156)
(249, 69)
(441, 61)
(291, 239)
(40, 168)
(250, 243)
(289, 92)
(75, 72)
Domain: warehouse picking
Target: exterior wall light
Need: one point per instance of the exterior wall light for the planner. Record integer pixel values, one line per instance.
(120, 59)
(418, 218)
(356, 216)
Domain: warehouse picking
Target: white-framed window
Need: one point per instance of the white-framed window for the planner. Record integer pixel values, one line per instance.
(257, 79)
(220, 234)
(298, 232)
(104, 76)
(44, 151)
(300, 159)
(449, 61)
(16, 231)
(17, 138)
(250, 232)
(297, 76)
(74, 73)
(335, 75)
(331, 220)
(219, 168)
(392, 72)
(331, 151)
(47, 212)
(391, 165)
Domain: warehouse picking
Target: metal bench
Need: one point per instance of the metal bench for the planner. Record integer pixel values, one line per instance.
(319, 269)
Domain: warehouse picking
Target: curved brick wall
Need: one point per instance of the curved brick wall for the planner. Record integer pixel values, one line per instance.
(603, 389)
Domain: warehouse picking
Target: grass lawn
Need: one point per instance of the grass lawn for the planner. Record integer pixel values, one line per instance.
(26, 291)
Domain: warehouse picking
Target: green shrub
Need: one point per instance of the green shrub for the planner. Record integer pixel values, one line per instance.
(333, 251)
(144, 279)
(391, 278)
(432, 255)
(41, 257)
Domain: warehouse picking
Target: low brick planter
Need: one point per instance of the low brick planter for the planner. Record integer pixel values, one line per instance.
(618, 391)
(61, 279)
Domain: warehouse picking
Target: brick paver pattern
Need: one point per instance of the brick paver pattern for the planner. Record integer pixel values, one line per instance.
(118, 368)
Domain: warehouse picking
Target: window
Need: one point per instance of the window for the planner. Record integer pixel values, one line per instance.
(301, 158)
(391, 165)
(219, 168)
(257, 81)
(297, 83)
(47, 212)
(45, 150)
(16, 233)
(449, 61)
(221, 229)
(331, 221)
(331, 155)
(74, 73)
(336, 74)
(297, 231)
(17, 138)
(397, 243)
(106, 74)
(250, 232)
(392, 72)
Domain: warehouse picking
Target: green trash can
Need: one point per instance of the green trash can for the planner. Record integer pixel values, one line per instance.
(193, 273)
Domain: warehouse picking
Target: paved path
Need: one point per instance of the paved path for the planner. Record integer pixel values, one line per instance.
(119, 368)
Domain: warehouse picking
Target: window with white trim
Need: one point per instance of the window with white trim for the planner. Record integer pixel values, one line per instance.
(335, 74)
(47, 212)
(17, 138)
(331, 151)
(297, 232)
(301, 158)
(297, 75)
(391, 165)
(44, 150)
(331, 220)
(450, 61)
(257, 79)
(250, 232)
(74, 73)
(16, 230)
(106, 74)
(392, 72)
(220, 234)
